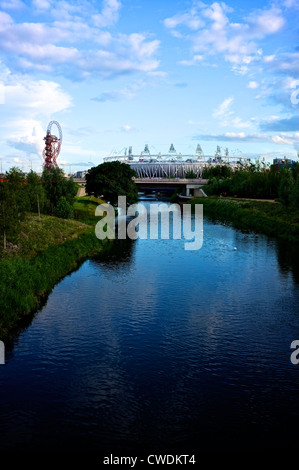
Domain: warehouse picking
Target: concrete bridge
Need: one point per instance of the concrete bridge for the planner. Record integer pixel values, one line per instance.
(186, 186)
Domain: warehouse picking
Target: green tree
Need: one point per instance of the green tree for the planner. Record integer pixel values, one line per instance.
(286, 185)
(217, 171)
(294, 196)
(7, 219)
(56, 185)
(13, 204)
(36, 193)
(63, 209)
(110, 180)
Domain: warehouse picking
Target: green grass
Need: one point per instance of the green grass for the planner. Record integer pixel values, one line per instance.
(272, 219)
(84, 208)
(36, 235)
(45, 252)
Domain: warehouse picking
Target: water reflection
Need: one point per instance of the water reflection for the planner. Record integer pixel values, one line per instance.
(119, 255)
(288, 259)
(152, 347)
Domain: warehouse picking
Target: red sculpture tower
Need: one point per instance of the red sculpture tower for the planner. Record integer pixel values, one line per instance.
(52, 146)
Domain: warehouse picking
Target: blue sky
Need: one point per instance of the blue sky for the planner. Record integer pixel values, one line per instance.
(120, 73)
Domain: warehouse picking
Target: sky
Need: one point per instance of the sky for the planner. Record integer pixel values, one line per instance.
(120, 73)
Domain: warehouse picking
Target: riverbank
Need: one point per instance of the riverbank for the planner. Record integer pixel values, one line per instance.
(266, 217)
(47, 249)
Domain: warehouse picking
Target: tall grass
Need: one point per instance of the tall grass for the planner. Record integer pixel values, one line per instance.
(271, 219)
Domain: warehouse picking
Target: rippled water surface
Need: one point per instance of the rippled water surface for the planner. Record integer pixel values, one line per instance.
(152, 346)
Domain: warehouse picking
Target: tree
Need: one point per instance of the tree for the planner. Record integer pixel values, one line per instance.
(110, 180)
(35, 192)
(13, 204)
(286, 186)
(63, 209)
(7, 219)
(56, 186)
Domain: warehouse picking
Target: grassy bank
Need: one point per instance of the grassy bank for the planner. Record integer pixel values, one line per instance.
(84, 208)
(47, 250)
(269, 218)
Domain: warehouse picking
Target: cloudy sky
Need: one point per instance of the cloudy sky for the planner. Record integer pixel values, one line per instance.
(120, 73)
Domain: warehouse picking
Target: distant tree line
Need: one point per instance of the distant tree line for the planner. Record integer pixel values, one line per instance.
(279, 182)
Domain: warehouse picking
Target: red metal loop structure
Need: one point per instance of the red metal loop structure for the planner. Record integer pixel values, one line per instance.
(52, 146)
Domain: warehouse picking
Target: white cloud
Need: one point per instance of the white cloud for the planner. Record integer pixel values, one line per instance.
(290, 82)
(12, 4)
(291, 4)
(73, 42)
(216, 13)
(281, 140)
(253, 85)
(195, 60)
(264, 22)
(38, 97)
(109, 15)
(5, 19)
(190, 20)
(224, 108)
(227, 117)
(124, 94)
(239, 123)
(24, 139)
(41, 4)
(269, 58)
(216, 34)
(235, 135)
(38, 101)
(286, 63)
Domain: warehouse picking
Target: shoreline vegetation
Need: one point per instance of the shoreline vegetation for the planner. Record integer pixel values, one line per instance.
(266, 217)
(259, 198)
(48, 248)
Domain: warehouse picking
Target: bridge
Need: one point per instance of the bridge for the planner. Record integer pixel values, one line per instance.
(187, 186)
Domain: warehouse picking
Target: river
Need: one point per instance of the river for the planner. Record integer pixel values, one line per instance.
(154, 347)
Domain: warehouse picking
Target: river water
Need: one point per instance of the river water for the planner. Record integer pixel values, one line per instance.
(154, 347)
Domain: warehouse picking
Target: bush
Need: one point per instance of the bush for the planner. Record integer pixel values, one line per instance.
(64, 210)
